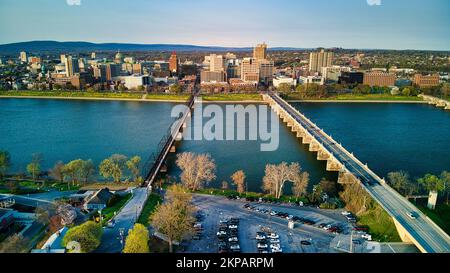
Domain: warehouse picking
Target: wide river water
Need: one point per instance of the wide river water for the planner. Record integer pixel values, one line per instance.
(410, 137)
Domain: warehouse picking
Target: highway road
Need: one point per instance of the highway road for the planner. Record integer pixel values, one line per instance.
(429, 236)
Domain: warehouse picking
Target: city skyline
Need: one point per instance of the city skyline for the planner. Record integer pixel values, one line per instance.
(286, 23)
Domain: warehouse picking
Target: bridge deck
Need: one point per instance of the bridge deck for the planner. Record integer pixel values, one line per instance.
(425, 233)
(156, 164)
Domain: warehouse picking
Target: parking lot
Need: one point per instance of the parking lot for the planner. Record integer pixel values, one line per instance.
(307, 236)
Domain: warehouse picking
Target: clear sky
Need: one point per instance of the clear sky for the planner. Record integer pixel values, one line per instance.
(390, 24)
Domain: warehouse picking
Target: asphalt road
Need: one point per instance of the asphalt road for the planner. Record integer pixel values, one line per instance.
(125, 219)
(422, 229)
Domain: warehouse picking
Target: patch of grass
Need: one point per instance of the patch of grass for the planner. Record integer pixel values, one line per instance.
(72, 94)
(175, 97)
(108, 212)
(380, 225)
(357, 97)
(441, 216)
(110, 185)
(232, 97)
(152, 201)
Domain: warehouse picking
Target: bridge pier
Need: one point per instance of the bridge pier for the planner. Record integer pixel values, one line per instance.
(173, 149)
(314, 146)
(322, 155)
(333, 165)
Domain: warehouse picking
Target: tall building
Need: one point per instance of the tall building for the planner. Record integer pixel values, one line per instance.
(266, 68)
(93, 56)
(173, 63)
(260, 52)
(320, 59)
(426, 80)
(333, 72)
(212, 76)
(216, 63)
(72, 66)
(112, 70)
(63, 58)
(250, 70)
(377, 78)
(23, 57)
(351, 78)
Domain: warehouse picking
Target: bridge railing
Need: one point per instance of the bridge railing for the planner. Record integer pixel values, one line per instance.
(154, 162)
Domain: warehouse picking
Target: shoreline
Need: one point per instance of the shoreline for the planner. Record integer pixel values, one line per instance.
(129, 99)
(211, 101)
(361, 101)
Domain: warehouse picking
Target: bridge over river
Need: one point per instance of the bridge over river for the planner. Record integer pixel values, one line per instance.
(412, 225)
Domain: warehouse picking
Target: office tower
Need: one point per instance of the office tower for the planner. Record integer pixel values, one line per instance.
(212, 76)
(93, 56)
(250, 70)
(173, 63)
(320, 59)
(63, 58)
(265, 70)
(72, 66)
(112, 70)
(216, 63)
(260, 52)
(23, 57)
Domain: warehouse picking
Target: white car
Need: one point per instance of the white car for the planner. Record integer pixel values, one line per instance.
(275, 246)
(277, 250)
(345, 213)
(260, 237)
(221, 233)
(289, 217)
(273, 236)
(232, 226)
(366, 236)
(262, 245)
(274, 241)
(235, 247)
(273, 213)
(233, 239)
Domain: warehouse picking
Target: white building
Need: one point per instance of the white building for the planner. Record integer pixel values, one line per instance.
(134, 81)
(312, 79)
(277, 81)
(330, 72)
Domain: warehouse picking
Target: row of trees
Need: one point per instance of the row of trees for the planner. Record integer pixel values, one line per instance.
(402, 182)
(79, 171)
(197, 170)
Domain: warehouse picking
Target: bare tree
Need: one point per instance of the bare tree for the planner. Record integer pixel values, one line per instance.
(239, 180)
(277, 175)
(224, 186)
(300, 184)
(197, 170)
(57, 172)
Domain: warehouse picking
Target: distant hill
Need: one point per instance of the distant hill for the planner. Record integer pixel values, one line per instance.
(54, 46)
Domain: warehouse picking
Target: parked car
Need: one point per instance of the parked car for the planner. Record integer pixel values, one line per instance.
(274, 241)
(273, 236)
(233, 239)
(261, 245)
(366, 236)
(260, 236)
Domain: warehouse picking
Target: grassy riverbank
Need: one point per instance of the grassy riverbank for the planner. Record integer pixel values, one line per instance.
(71, 94)
(232, 97)
(357, 98)
(150, 205)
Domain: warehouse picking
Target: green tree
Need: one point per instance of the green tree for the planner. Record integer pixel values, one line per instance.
(174, 218)
(88, 235)
(73, 170)
(176, 88)
(137, 240)
(406, 91)
(445, 177)
(133, 166)
(5, 163)
(34, 168)
(113, 167)
(432, 183)
(284, 87)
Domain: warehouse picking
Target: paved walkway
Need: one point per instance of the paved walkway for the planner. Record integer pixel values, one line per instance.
(125, 220)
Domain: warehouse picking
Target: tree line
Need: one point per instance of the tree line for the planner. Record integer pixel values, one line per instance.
(79, 171)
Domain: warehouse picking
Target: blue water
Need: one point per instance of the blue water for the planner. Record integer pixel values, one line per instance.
(389, 137)
(410, 137)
